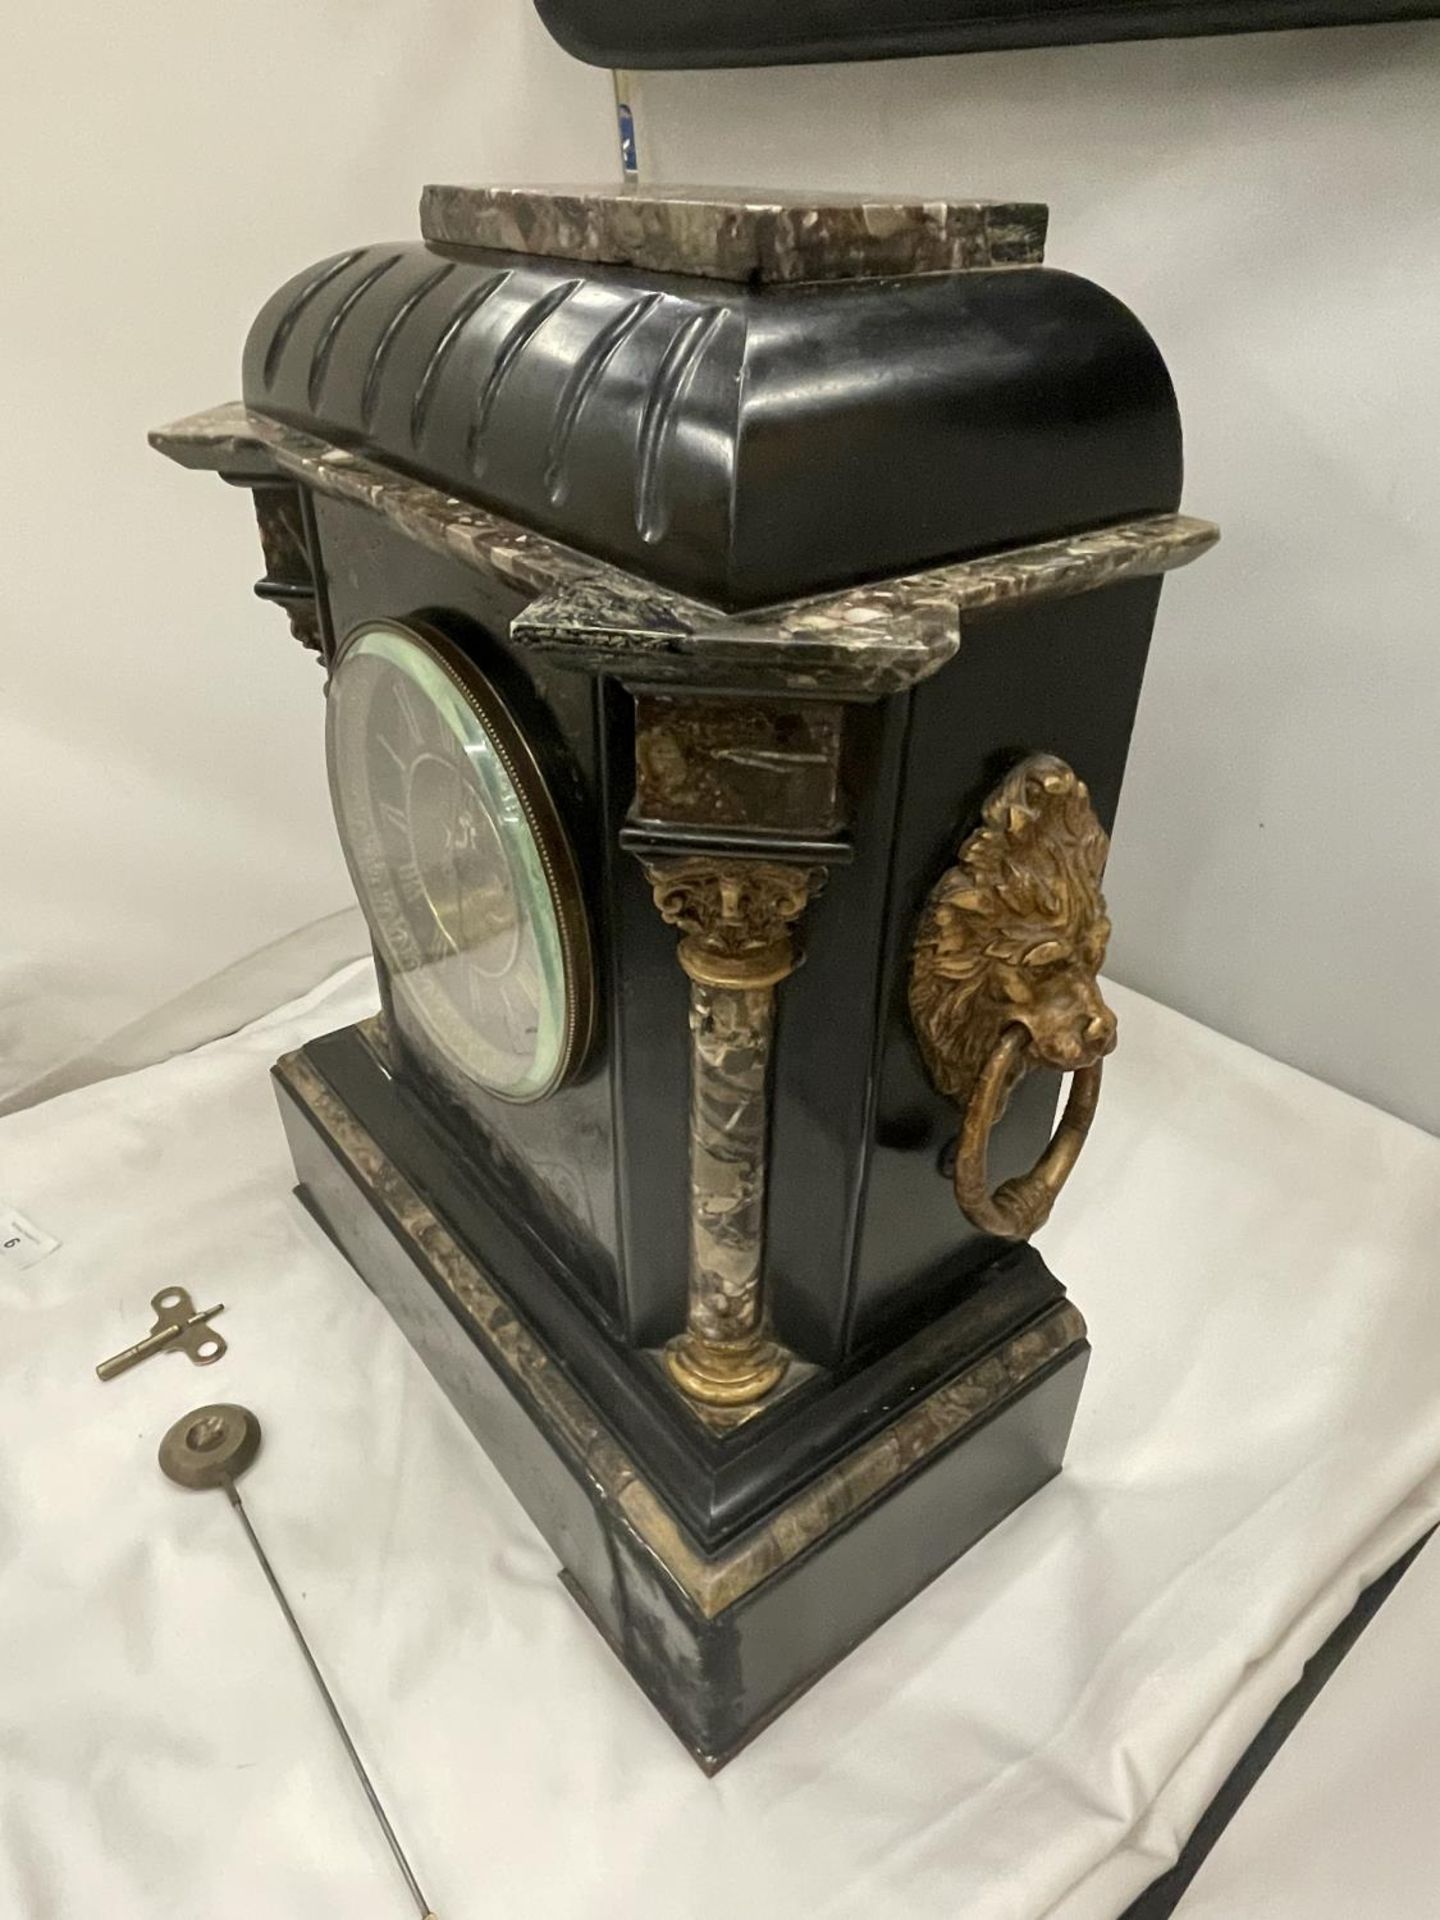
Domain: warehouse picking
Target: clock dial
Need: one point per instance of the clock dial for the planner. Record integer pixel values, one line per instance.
(459, 859)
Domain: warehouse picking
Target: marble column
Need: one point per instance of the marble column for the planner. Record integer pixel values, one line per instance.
(734, 915)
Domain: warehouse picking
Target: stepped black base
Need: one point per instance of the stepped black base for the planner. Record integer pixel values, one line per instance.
(822, 1517)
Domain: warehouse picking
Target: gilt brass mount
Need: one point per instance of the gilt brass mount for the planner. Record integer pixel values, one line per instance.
(734, 915)
(1003, 979)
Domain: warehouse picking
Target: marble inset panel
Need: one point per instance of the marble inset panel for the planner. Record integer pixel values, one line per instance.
(764, 239)
(736, 763)
(861, 642)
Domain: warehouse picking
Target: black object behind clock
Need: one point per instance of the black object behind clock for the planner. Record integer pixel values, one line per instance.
(757, 33)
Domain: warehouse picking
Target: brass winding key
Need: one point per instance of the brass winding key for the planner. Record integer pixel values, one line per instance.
(178, 1328)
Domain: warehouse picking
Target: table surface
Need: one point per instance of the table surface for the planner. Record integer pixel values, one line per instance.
(1035, 1734)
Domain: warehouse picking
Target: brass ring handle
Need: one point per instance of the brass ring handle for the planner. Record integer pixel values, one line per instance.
(1019, 1207)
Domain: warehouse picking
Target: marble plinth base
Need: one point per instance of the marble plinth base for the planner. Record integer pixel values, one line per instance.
(721, 1641)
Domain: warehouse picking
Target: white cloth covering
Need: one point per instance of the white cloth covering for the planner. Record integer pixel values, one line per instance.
(1341, 1825)
(1259, 1435)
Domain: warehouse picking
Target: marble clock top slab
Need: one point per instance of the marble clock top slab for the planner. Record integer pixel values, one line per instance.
(739, 234)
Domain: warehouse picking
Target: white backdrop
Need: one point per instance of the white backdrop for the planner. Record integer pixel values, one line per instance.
(165, 168)
(1268, 204)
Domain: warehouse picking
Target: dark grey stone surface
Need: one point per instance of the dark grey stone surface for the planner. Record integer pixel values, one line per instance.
(738, 234)
(865, 641)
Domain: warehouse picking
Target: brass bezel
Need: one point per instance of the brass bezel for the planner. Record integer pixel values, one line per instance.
(557, 858)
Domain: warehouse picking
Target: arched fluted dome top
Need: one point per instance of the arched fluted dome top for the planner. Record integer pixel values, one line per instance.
(742, 444)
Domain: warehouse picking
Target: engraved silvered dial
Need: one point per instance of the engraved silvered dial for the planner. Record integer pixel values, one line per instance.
(460, 861)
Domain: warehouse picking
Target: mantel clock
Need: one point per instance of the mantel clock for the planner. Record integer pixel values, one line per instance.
(733, 613)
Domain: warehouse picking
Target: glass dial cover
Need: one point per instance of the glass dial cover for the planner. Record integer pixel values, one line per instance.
(460, 860)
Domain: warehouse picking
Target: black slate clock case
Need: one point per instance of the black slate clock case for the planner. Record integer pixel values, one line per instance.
(830, 435)
(736, 447)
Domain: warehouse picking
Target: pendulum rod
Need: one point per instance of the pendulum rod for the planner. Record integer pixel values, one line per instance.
(210, 1448)
(422, 1905)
